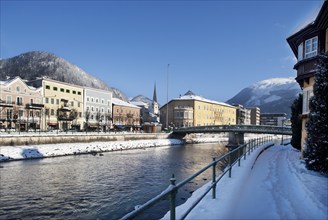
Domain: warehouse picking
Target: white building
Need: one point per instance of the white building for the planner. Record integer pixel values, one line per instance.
(97, 109)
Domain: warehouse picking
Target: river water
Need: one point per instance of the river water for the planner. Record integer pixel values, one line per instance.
(100, 187)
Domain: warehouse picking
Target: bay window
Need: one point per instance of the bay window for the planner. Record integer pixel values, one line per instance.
(311, 47)
(300, 52)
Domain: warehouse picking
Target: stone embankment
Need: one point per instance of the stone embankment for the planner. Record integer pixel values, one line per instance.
(53, 138)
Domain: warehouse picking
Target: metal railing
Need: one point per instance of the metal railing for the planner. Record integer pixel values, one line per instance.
(236, 128)
(234, 156)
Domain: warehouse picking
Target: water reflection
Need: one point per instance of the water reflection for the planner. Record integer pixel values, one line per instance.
(99, 187)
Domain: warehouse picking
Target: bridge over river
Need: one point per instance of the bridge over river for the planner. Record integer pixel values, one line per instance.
(255, 129)
(236, 132)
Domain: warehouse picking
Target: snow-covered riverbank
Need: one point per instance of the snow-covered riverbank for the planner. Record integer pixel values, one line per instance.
(277, 186)
(8, 153)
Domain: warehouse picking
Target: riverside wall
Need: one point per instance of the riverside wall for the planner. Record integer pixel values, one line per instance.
(75, 138)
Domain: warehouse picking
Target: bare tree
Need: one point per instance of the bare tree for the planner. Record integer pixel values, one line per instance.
(87, 117)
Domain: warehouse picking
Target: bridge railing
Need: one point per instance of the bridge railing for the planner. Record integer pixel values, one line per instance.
(240, 128)
(238, 153)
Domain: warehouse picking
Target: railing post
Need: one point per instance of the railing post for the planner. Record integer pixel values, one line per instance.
(230, 164)
(214, 181)
(245, 150)
(172, 198)
(239, 155)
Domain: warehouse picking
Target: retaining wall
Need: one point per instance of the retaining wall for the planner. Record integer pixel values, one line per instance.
(67, 138)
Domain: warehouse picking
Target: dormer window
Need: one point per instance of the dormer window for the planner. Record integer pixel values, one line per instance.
(311, 47)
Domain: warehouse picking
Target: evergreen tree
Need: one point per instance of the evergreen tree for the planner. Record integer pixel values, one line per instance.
(296, 110)
(316, 152)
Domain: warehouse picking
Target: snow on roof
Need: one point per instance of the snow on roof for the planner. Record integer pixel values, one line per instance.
(120, 102)
(189, 96)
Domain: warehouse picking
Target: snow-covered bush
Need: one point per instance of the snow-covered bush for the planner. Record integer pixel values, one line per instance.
(316, 152)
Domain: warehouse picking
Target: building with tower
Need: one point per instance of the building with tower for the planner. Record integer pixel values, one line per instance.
(154, 111)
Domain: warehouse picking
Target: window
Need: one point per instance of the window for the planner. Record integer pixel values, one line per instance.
(307, 94)
(57, 101)
(62, 90)
(311, 47)
(97, 100)
(52, 112)
(47, 111)
(21, 113)
(31, 101)
(55, 88)
(72, 103)
(68, 91)
(47, 87)
(79, 93)
(74, 92)
(102, 101)
(47, 100)
(8, 99)
(79, 104)
(87, 99)
(19, 101)
(52, 101)
(17, 88)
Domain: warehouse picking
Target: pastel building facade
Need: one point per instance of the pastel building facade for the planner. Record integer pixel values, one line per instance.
(192, 110)
(125, 114)
(97, 109)
(21, 106)
(63, 103)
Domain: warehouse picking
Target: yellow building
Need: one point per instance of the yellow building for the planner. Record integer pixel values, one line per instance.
(192, 110)
(307, 44)
(63, 104)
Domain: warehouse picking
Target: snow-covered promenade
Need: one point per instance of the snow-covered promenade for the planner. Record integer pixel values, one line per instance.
(277, 187)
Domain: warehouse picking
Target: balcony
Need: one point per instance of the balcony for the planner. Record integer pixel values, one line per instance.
(306, 68)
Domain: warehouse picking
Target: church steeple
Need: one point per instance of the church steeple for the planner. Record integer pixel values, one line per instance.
(154, 105)
(155, 96)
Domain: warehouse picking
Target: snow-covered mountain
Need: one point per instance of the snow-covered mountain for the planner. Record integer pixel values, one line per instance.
(38, 64)
(142, 98)
(271, 96)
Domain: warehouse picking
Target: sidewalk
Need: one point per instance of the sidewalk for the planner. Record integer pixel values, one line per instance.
(278, 187)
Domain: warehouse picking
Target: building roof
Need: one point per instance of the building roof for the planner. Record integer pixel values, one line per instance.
(9, 81)
(191, 96)
(320, 23)
(155, 95)
(120, 102)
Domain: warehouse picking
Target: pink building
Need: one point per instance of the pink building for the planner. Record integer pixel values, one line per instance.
(21, 106)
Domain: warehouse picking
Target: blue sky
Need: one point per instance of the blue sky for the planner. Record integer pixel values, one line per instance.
(214, 48)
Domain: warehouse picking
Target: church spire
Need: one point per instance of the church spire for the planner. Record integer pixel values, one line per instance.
(155, 96)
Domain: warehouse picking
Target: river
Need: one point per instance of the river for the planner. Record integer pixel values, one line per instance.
(100, 187)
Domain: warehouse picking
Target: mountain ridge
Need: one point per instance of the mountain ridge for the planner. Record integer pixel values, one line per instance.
(36, 64)
(274, 95)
